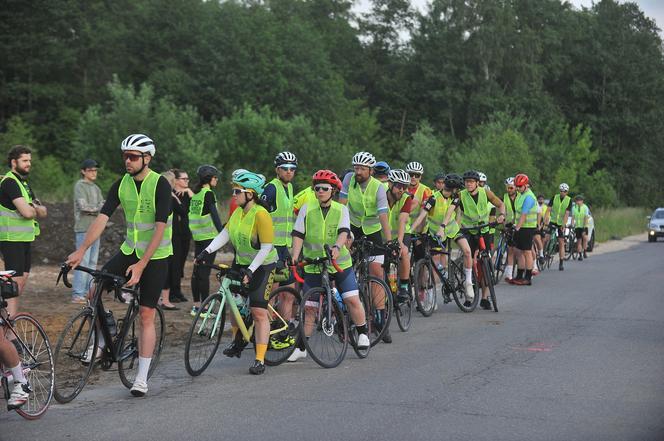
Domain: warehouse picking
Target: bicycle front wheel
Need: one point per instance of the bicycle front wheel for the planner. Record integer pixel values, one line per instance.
(501, 261)
(486, 269)
(129, 347)
(456, 283)
(283, 330)
(425, 287)
(204, 335)
(37, 361)
(323, 328)
(379, 307)
(76, 344)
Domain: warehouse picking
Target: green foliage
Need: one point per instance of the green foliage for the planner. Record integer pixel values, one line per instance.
(424, 147)
(18, 132)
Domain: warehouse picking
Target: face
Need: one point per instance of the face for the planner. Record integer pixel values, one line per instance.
(182, 182)
(214, 181)
(447, 192)
(482, 183)
(563, 193)
(397, 190)
(415, 179)
(286, 172)
(439, 183)
(134, 160)
(23, 164)
(470, 184)
(510, 189)
(323, 191)
(241, 195)
(540, 201)
(362, 173)
(90, 173)
(521, 188)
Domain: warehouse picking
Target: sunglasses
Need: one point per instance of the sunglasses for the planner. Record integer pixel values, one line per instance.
(288, 167)
(132, 156)
(318, 188)
(239, 191)
(415, 175)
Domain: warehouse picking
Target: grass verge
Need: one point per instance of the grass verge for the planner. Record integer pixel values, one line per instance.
(616, 223)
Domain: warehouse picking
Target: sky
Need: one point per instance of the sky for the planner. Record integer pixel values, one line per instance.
(652, 8)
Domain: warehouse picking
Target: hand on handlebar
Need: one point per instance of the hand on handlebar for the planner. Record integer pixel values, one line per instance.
(75, 258)
(201, 257)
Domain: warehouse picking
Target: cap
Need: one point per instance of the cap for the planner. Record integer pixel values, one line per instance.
(89, 163)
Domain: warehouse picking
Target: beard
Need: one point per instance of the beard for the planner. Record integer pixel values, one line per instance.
(22, 171)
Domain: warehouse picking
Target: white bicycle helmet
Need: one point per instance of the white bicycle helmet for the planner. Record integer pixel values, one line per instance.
(564, 187)
(139, 143)
(285, 158)
(414, 167)
(398, 176)
(482, 177)
(509, 181)
(365, 159)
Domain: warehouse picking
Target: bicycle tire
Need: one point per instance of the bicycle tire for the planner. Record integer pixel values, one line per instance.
(501, 260)
(71, 374)
(204, 333)
(403, 312)
(129, 350)
(456, 281)
(38, 361)
(425, 287)
(274, 356)
(486, 266)
(375, 327)
(328, 341)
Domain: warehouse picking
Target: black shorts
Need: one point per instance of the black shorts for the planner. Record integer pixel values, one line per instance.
(523, 238)
(17, 256)
(580, 232)
(553, 227)
(474, 241)
(375, 238)
(260, 286)
(152, 280)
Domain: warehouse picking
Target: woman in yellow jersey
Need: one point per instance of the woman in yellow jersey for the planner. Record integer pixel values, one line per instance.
(250, 232)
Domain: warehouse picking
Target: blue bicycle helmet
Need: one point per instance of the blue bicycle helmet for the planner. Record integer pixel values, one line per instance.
(250, 181)
(382, 168)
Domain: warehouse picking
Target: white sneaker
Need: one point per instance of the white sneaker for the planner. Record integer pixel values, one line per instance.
(87, 359)
(19, 396)
(363, 341)
(139, 388)
(470, 293)
(297, 354)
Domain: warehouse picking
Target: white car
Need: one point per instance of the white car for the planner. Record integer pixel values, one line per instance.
(656, 225)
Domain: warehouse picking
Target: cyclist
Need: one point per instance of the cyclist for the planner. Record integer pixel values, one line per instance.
(439, 181)
(441, 211)
(417, 190)
(366, 199)
(580, 215)
(509, 200)
(9, 358)
(538, 240)
(205, 224)
(145, 197)
(400, 203)
(380, 172)
(556, 217)
(524, 230)
(251, 232)
(474, 210)
(323, 222)
(279, 200)
(492, 212)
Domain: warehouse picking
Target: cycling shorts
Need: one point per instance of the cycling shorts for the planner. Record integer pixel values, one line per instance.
(17, 256)
(260, 285)
(553, 226)
(345, 282)
(580, 232)
(152, 280)
(375, 238)
(523, 238)
(474, 241)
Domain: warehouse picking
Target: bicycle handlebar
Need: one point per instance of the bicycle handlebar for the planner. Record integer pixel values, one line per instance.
(118, 281)
(316, 261)
(479, 227)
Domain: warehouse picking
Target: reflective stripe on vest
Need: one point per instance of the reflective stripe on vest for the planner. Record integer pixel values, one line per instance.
(531, 216)
(559, 208)
(240, 229)
(475, 213)
(395, 213)
(282, 217)
(419, 194)
(321, 231)
(201, 226)
(139, 210)
(362, 205)
(437, 216)
(13, 226)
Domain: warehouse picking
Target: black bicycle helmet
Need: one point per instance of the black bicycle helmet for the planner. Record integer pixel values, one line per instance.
(471, 174)
(440, 176)
(453, 181)
(207, 172)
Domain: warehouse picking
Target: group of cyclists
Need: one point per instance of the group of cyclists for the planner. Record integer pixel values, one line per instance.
(271, 224)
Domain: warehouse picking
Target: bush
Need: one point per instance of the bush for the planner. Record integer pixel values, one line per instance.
(616, 223)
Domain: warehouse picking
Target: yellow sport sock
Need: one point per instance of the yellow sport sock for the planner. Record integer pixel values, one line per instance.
(261, 349)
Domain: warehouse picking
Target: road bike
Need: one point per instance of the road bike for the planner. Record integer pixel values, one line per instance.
(500, 253)
(482, 263)
(403, 310)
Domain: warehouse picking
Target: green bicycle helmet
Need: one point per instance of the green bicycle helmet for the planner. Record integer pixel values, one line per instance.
(250, 181)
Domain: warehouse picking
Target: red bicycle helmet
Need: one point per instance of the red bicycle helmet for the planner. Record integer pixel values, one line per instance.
(521, 179)
(327, 176)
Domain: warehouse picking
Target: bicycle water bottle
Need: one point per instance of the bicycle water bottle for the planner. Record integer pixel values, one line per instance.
(441, 268)
(240, 303)
(110, 323)
(392, 277)
(340, 301)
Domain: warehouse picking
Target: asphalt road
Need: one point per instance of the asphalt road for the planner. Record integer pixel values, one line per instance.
(577, 356)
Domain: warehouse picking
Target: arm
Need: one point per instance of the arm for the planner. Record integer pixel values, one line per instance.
(500, 207)
(298, 232)
(26, 210)
(40, 210)
(94, 231)
(420, 218)
(265, 231)
(211, 205)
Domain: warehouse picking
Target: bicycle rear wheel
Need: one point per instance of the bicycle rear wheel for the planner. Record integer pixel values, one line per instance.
(501, 261)
(403, 311)
(282, 343)
(129, 347)
(323, 328)
(379, 304)
(456, 280)
(77, 338)
(486, 269)
(425, 287)
(37, 361)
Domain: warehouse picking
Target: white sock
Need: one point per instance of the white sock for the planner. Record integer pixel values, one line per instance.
(17, 373)
(509, 269)
(469, 275)
(143, 369)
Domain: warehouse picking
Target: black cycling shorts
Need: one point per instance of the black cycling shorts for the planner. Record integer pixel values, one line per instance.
(553, 227)
(523, 238)
(375, 238)
(474, 241)
(260, 286)
(580, 232)
(17, 256)
(152, 280)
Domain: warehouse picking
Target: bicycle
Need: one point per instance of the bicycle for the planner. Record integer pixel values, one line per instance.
(34, 351)
(570, 244)
(500, 253)
(482, 264)
(78, 350)
(551, 249)
(424, 271)
(207, 327)
(327, 319)
(403, 311)
(374, 292)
